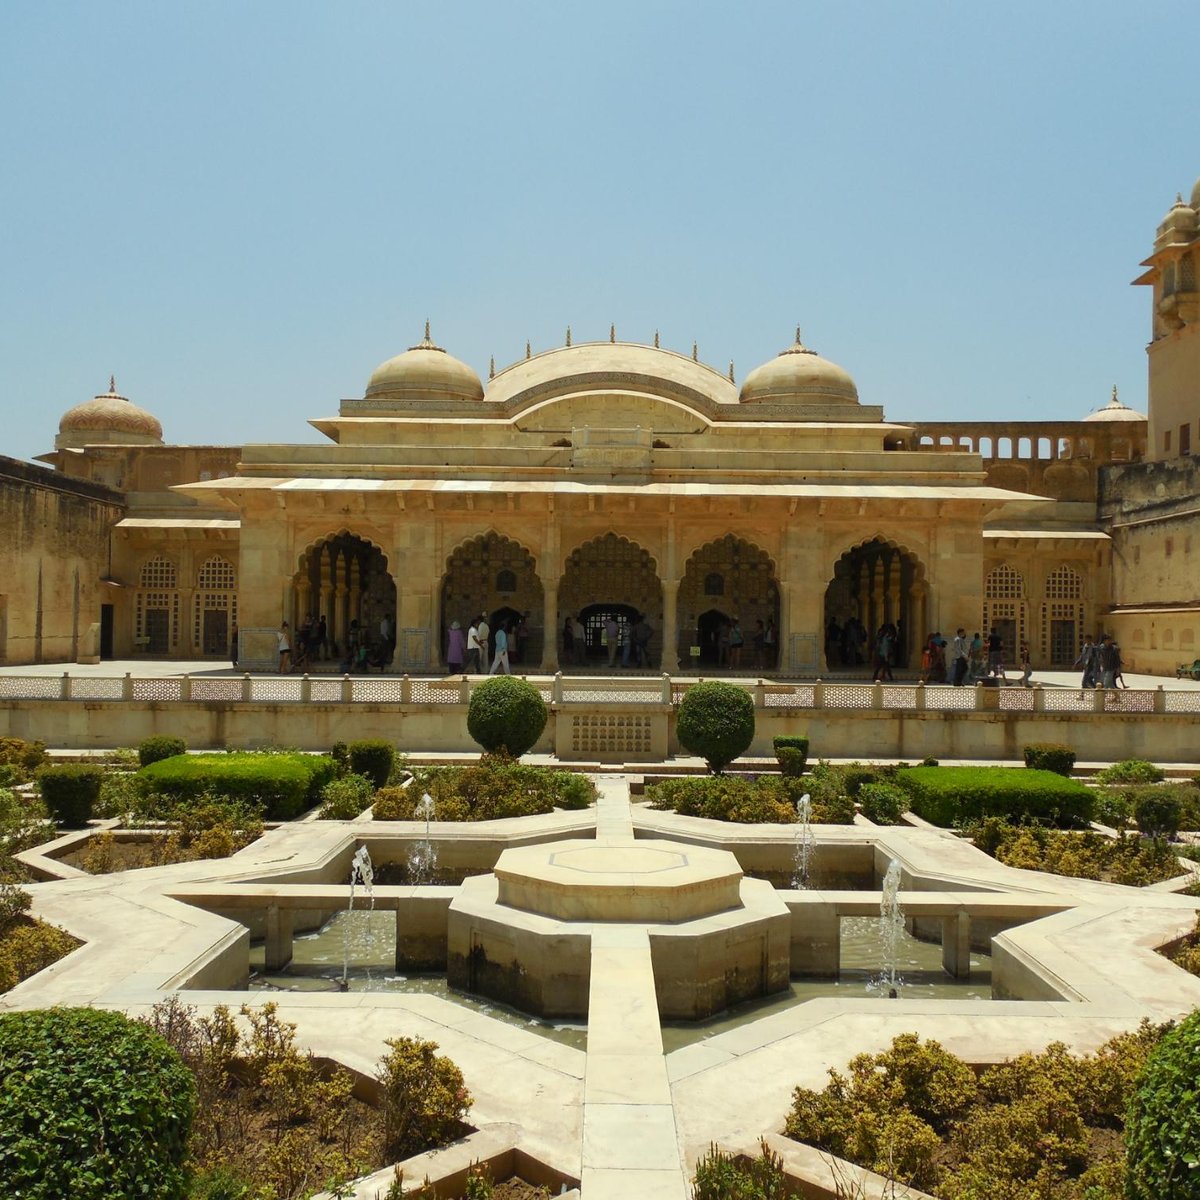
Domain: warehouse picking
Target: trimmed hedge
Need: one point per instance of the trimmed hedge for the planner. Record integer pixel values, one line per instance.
(94, 1106)
(280, 786)
(1049, 756)
(1131, 770)
(155, 749)
(506, 715)
(70, 792)
(716, 721)
(372, 758)
(954, 797)
(791, 752)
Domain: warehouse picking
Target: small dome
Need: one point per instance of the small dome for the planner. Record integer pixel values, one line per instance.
(1181, 216)
(799, 376)
(1114, 410)
(1196, 194)
(111, 418)
(424, 372)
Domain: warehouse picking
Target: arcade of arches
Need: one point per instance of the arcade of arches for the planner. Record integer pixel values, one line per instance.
(725, 581)
(344, 578)
(875, 584)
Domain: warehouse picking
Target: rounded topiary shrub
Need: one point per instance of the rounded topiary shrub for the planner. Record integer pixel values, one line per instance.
(372, 757)
(94, 1106)
(716, 721)
(70, 792)
(155, 749)
(791, 753)
(1049, 756)
(506, 714)
(1162, 1126)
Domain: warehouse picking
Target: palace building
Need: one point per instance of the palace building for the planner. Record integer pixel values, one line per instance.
(618, 478)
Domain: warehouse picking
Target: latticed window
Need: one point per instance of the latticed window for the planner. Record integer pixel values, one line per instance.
(217, 574)
(1064, 584)
(714, 584)
(1004, 583)
(159, 572)
(506, 581)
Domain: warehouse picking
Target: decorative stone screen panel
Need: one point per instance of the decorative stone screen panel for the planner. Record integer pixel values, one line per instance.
(1004, 583)
(607, 735)
(159, 573)
(227, 691)
(96, 688)
(1063, 583)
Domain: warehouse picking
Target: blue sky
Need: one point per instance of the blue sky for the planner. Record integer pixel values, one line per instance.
(241, 209)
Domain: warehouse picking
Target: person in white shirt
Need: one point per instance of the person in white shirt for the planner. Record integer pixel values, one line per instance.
(500, 662)
(484, 631)
(472, 665)
(960, 652)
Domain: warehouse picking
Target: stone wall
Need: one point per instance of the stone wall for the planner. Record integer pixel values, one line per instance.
(53, 554)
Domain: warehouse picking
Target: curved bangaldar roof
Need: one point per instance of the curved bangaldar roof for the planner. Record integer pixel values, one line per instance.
(596, 366)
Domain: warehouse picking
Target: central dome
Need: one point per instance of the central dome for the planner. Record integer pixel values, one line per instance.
(424, 372)
(799, 375)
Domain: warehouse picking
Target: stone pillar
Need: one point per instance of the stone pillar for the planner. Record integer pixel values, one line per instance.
(336, 614)
(354, 575)
(437, 641)
(277, 952)
(550, 631)
(670, 629)
(816, 939)
(956, 945)
(188, 614)
(303, 599)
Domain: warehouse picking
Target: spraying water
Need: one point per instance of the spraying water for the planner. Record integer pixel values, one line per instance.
(891, 928)
(802, 854)
(422, 858)
(361, 871)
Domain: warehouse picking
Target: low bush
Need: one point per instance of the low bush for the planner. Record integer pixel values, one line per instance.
(1041, 1125)
(1157, 812)
(28, 946)
(1113, 807)
(94, 1106)
(280, 786)
(70, 792)
(791, 753)
(1049, 756)
(1133, 861)
(155, 749)
(496, 787)
(22, 758)
(723, 1176)
(340, 753)
(1162, 1126)
(764, 799)
(953, 797)
(883, 803)
(23, 822)
(343, 799)
(424, 1100)
(1131, 770)
(506, 715)
(372, 758)
(716, 722)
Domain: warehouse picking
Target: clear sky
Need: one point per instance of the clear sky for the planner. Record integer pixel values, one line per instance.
(241, 209)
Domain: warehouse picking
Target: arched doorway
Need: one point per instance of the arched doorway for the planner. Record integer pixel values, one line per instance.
(611, 574)
(495, 576)
(873, 584)
(345, 579)
(727, 580)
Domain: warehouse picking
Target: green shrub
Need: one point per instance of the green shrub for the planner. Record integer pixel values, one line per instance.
(791, 752)
(722, 1176)
(94, 1106)
(340, 753)
(424, 1097)
(27, 946)
(506, 715)
(954, 797)
(23, 822)
(1157, 812)
(372, 758)
(883, 803)
(70, 791)
(762, 800)
(343, 799)
(716, 722)
(1049, 756)
(856, 775)
(1113, 807)
(1162, 1126)
(280, 786)
(155, 749)
(1131, 770)
(22, 758)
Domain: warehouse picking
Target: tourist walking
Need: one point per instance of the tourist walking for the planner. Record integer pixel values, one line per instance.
(736, 641)
(1026, 665)
(1110, 662)
(568, 641)
(995, 652)
(473, 660)
(483, 632)
(456, 646)
(959, 653)
(580, 642)
(284, 641)
(323, 638)
(233, 644)
(642, 633)
(500, 662)
(1087, 660)
(770, 643)
(612, 637)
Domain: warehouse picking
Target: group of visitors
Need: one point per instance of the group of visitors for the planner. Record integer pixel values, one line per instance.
(967, 661)
(629, 639)
(472, 650)
(1101, 663)
(845, 644)
(311, 642)
(728, 644)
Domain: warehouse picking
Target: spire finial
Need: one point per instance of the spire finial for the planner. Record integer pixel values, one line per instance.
(695, 352)
(112, 385)
(528, 349)
(1178, 197)
(731, 378)
(427, 337)
(798, 341)
(612, 333)
(492, 368)
(656, 345)
(568, 335)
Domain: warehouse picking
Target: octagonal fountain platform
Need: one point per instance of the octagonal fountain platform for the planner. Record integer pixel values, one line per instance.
(523, 934)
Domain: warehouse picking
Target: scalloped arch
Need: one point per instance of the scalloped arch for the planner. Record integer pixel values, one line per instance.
(617, 538)
(374, 540)
(887, 540)
(731, 539)
(490, 532)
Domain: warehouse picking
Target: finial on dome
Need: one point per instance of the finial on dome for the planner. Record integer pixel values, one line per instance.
(731, 378)
(1114, 401)
(612, 333)
(695, 352)
(528, 349)
(568, 335)
(798, 341)
(112, 385)
(656, 345)
(1178, 198)
(427, 338)
(492, 367)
